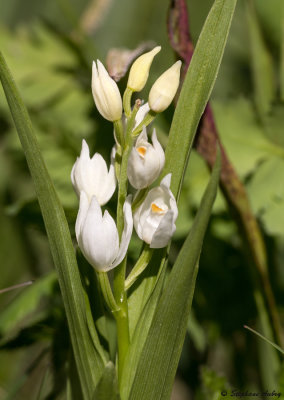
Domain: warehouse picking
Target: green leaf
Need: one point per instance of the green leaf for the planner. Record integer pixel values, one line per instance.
(107, 388)
(261, 64)
(160, 355)
(25, 303)
(89, 360)
(146, 315)
(242, 136)
(196, 89)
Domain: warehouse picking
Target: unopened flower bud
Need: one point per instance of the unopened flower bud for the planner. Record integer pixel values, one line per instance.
(164, 89)
(154, 220)
(106, 93)
(146, 161)
(139, 71)
(92, 176)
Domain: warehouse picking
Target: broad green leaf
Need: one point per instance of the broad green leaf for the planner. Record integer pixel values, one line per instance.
(89, 360)
(160, 355)
(107, 388)
(242, 136)
(196, 89)
(267, 194)
(261, 64)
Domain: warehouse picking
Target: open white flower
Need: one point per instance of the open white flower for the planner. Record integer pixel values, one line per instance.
(164, 89)
(97, 234)
(92, 176)
(106, 93)
(154, 220)
(146, 161)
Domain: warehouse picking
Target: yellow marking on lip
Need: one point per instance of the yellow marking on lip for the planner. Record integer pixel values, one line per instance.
(141, 150)
(156, 209)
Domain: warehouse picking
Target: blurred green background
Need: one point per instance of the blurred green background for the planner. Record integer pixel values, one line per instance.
(49, 47)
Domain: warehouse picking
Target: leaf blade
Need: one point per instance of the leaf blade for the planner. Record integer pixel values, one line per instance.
(169, 325)
(196, 89)
(89, 360)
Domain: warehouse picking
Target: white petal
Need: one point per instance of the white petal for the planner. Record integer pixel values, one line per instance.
(110, 182)
(141, 114)
(126, 234)
(164, 231)
(142, 138)
(136, 221)
(106, 93)
(166, 181)
(83, 209)
(99, 237)
(159, 150)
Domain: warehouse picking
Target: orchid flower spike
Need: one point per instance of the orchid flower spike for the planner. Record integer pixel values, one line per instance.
(146, 161)
(97, 234)
(139, 71)
(164, 89)
(106, 93)
(92, 176)
(154, 220)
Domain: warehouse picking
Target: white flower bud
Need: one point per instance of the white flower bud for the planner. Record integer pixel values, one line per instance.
(92, 176)
(154, 220)
(139, 71)
(106, 93)
(97, 234)
(146, 161)
(164, 89)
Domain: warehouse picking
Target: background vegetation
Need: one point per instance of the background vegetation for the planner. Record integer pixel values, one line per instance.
(49, 47)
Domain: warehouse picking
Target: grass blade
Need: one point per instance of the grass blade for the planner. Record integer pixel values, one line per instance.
(169, 325)
(196, 89)
(89, 360)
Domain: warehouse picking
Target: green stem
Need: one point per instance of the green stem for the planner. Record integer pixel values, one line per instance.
(107, 292)
(127, 101)
(119, 134)
(146, 121)
(139, 267)
(120, 294)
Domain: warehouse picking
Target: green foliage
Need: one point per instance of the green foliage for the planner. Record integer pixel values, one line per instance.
(89, 360)
(168, 328)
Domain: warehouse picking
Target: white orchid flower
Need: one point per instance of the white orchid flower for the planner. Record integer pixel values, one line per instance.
(106, 93)
(97, 234)
(146, 161)
(92, 176)
(164, 89)
(154, 220)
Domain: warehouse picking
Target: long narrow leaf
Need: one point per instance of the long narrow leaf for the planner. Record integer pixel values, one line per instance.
(196, 89)
(160, 355)
(90, 360)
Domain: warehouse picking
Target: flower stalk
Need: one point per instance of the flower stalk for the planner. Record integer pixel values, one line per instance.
(140, 266)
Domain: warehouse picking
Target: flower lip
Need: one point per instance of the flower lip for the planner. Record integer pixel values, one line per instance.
(159, 210)
(142, 150)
